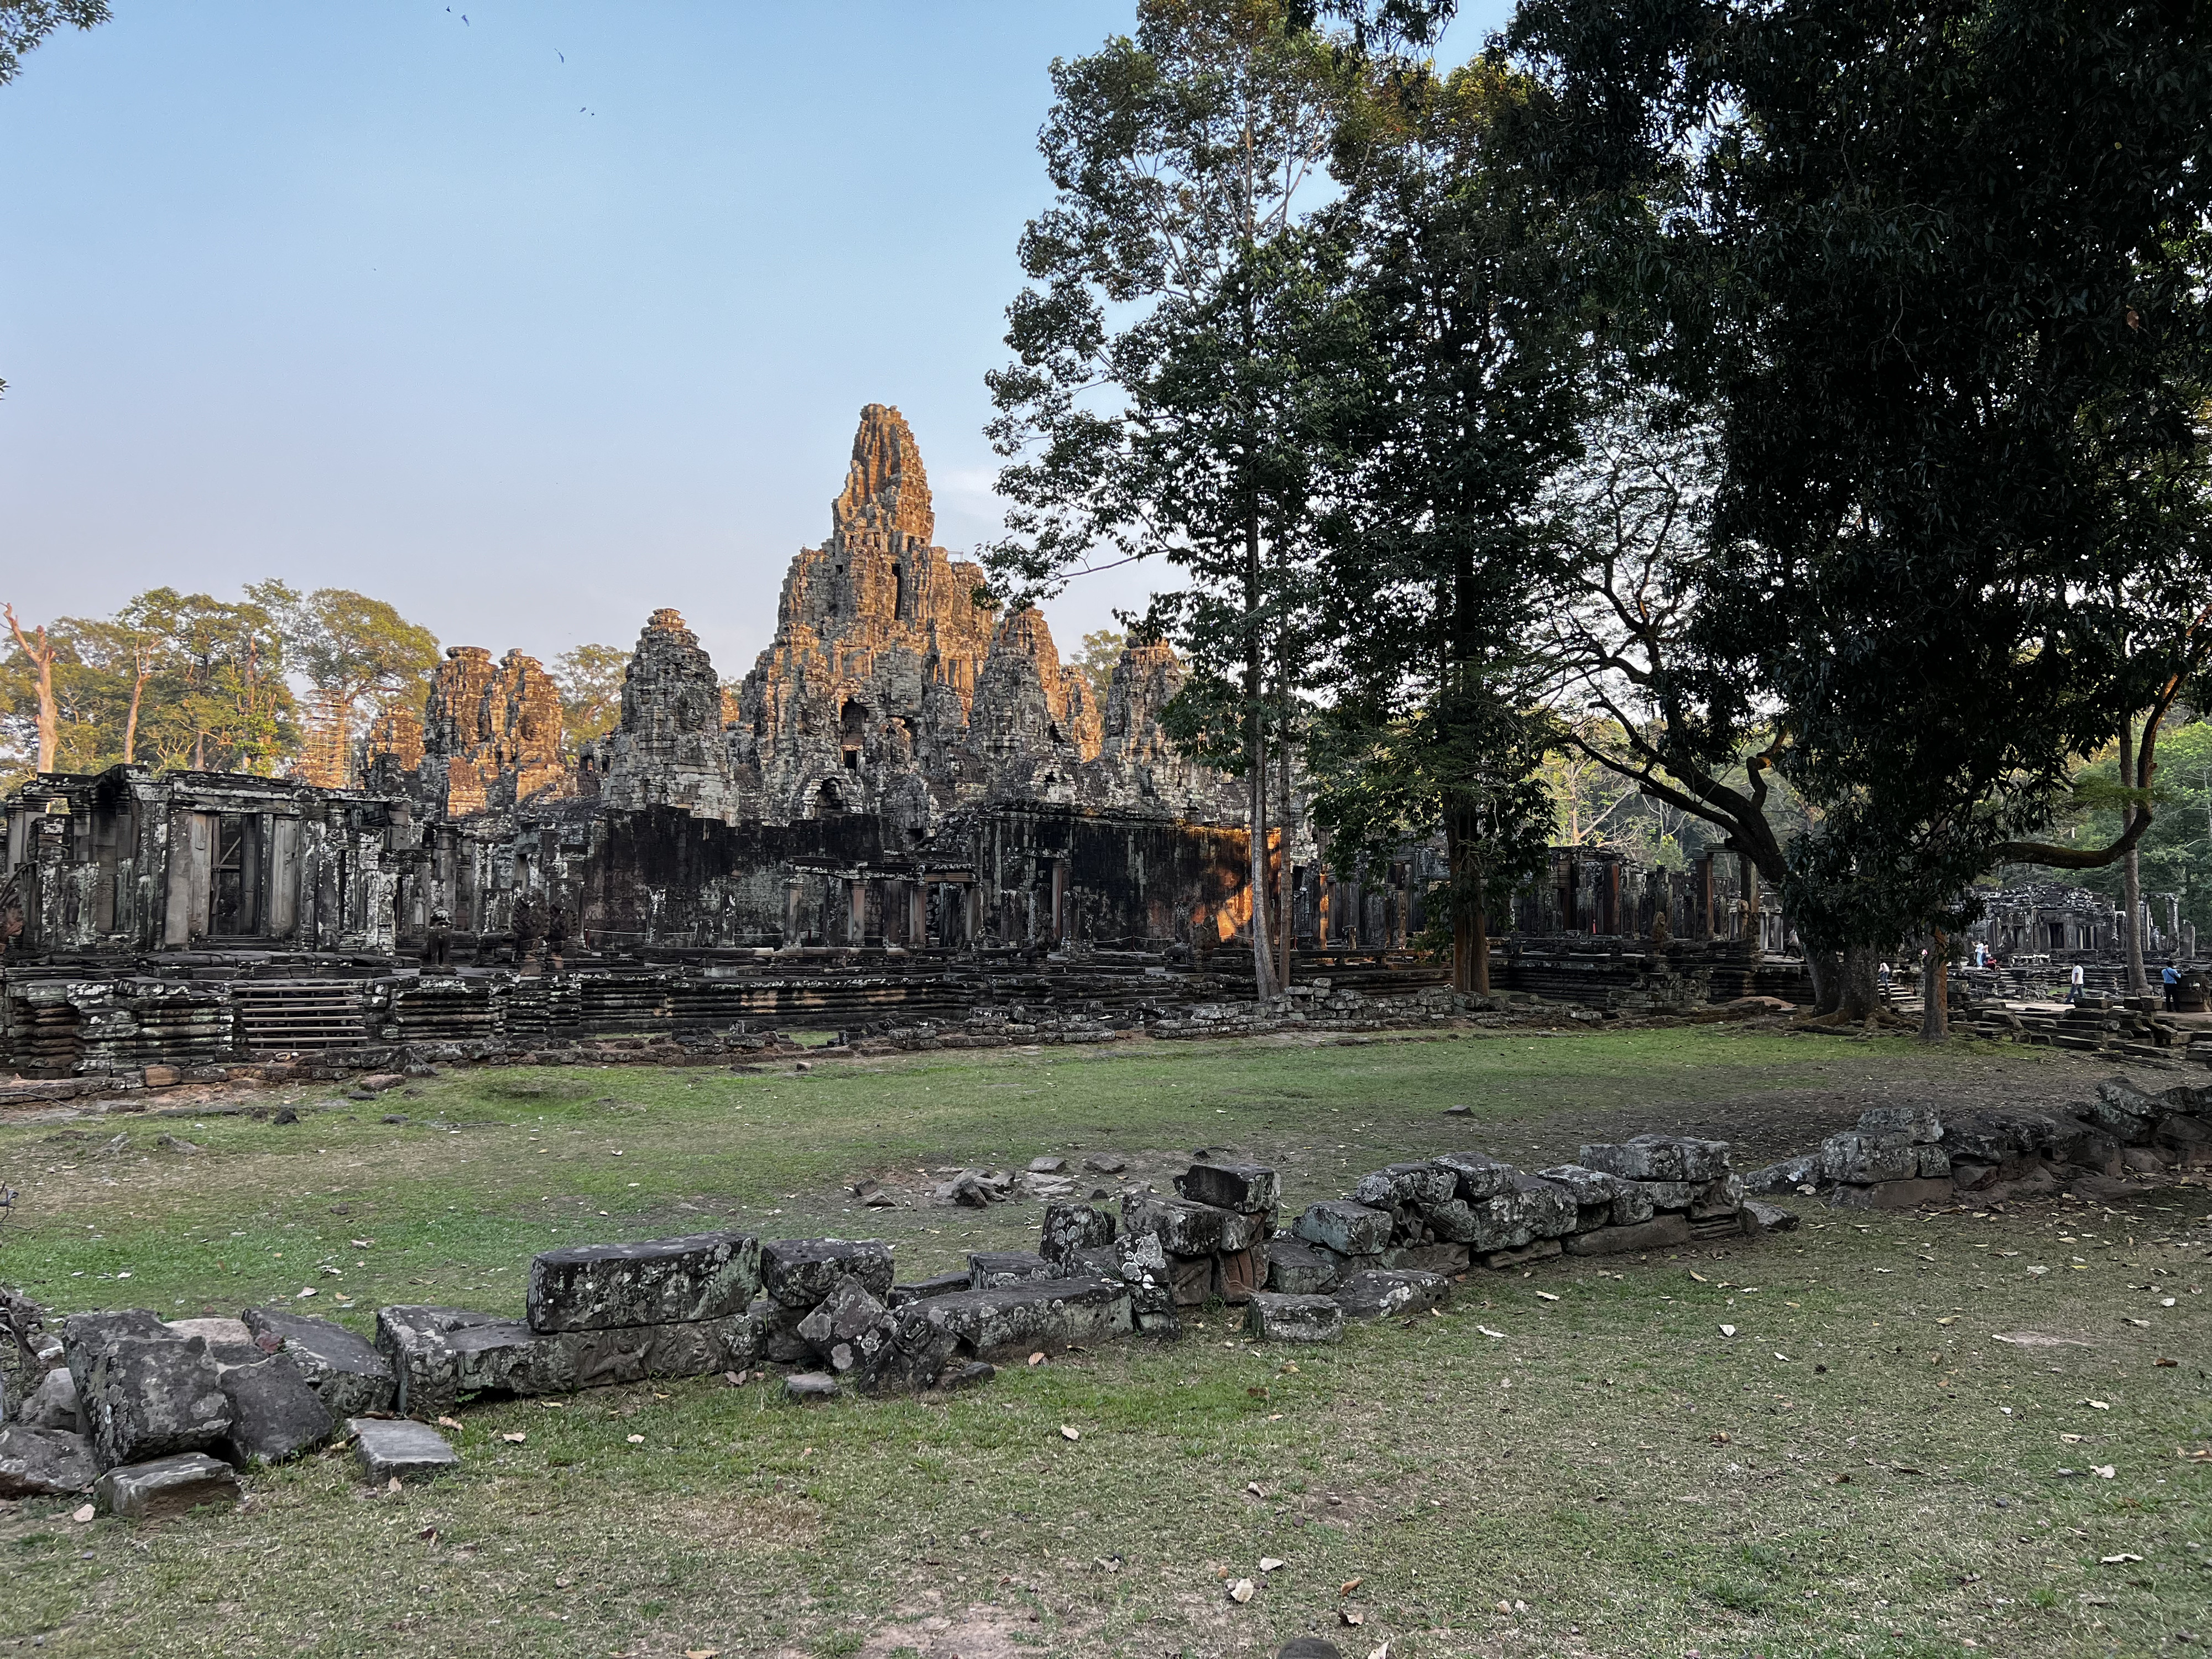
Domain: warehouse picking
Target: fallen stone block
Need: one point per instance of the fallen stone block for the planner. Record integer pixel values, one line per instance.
(1296, 1268)
(1186, 1228)
(920, 1290)
(1528, 1210)
(1009, 1321)
(146, 1392)
(1770, 1218)
(1345, 1227)
(808, 1387)
(166, 1487)
(1935, 1163)
(393, 1448)
(344, 1369)
(2188, 1139)
(799, 1272)
(1664, 1233)
(1449, 1260)
(845, 1320)
(1866, 1159)
(989, 1268)
(1660, 1158)
(1273, 1318)
(1595, 1192)
(52, 1404)
(37, 1463)
(1475, 1177)
(1379, 1293)
(1919, 1124)
(1420, 1184)
(1141, 1267)
(1907, 1193)
(655, 1282)
(1786, 1177)
(274, 1413)
(1191, 1278)
(2122, 1109)
(441, 1355)
(1069, 1228)
(1248, 1188)
(1725, 1196)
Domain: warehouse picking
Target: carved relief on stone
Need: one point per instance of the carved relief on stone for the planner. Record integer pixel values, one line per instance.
(669, 749)
(488, 737)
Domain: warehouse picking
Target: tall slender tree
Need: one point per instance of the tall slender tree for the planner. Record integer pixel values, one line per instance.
(1159, 404)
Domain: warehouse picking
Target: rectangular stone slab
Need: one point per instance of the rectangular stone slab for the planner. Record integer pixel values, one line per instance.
(1379, 1293)
(1248, 1188)
(988, 1269)
(1186, 1228)
(1009, 1322)
(43, 1462)
(1345, 1227)
(1664, 1233)
(799, 1272)
(146, 1394)
(1296, 1268)
(274, 1415)
(595, 1287)
(345, 1368)
(1274, 1318)
(441, 1355)
(391, 1449)
(166, 1487)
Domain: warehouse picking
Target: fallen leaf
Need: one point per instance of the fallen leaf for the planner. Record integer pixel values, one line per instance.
(362, 1243)
(1728, 1330)
(1783, 1358)
(2097, 1405)
(1546, 1296)
(81, 1516)
(1268, 1564)
(449, 1422)
(1720, 1439)
(1349, 1585)
(1036, 1359)
(2115, 1560)
(428, 1534)
(2071, 1440)
(1351, 1616)
(1382, 1652)
(1241, 1590)
(305, 1290)
(1948, 1319)
(514, 1439)
(1486, 1331)
(1066, 1433)
(1700, 1277)
(701, 1653)
(637, 1440)
(1255, 1489)
(391, 1488)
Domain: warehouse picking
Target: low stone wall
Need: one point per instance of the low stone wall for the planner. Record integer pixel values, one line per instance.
(154, 1415)
(1900, 1156)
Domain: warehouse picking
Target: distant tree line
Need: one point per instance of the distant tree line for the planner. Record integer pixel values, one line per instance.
(1794, 413)
(276, 682)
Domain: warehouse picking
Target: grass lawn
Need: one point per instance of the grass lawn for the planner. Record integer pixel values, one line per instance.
(1574, 1460)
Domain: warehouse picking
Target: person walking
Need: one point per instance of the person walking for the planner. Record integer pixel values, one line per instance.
(438, 941)
(2074, 984)
(2171, 977)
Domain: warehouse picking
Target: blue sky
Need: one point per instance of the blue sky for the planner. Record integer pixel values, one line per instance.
(529, 324)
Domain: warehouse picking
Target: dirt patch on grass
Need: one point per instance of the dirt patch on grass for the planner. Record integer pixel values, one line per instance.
(975, 1632)
(775, 1522)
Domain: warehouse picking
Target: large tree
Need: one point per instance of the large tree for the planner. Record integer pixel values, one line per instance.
(1163, 402)
(358, 656)
(1471, 345)
(1939, 273)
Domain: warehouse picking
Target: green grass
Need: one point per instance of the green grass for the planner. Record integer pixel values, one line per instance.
(1623, 1478)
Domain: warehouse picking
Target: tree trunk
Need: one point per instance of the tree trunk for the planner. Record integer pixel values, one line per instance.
(2132, 869)
(42, 657)
(1286, 930)
(1256, 770)
(130, 722)
(1827, 969)
(1935, 987)
(1859, 998)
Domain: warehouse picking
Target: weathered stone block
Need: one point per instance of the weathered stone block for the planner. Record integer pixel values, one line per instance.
(1934, 1162)
(2120, 1109)
(352, 1377)
(1906, 1193)
(1595, 1192)
(1660, 1158)
(1296, 1268)
(1273, 1318)
(846, 1317)
(989, 1268)
(38, 1462)
(1664, 1233)
(1475, 1177)
(1186, 1228)
(1069, 1228)
(1529, 1209)
(1345, 1227)
(1239, 1274)
(164, 1486)
(1191, 1278)
(799, 1272)
(1786, 1176)
(146, 1393)
(1381, 1292)
(1141, 1267)
(809, 1387)
(920, 1290)
(1725, 1196)
(1542, 1250)
(1446, 1259)
(1770, 1218)
(1864, 1159)
(2188, 1139)
(440, 1355)
(1014, 1320)
(1919, 1124)
(396, 1449)
(590, 1287)
(274, 1415)
(1994, 1134)
(52, 1404)
(1407, 1184)
(1248, 1188)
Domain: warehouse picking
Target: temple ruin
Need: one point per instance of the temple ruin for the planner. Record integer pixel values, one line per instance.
(910, 805)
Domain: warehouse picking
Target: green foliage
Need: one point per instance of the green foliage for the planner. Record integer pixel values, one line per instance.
(358, 655)
(1095, 662)
(24, 23)
(1938, 276)
(2175, 853)
(591, 681)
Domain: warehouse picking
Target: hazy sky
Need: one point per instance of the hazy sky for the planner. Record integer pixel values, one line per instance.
(529, 323)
